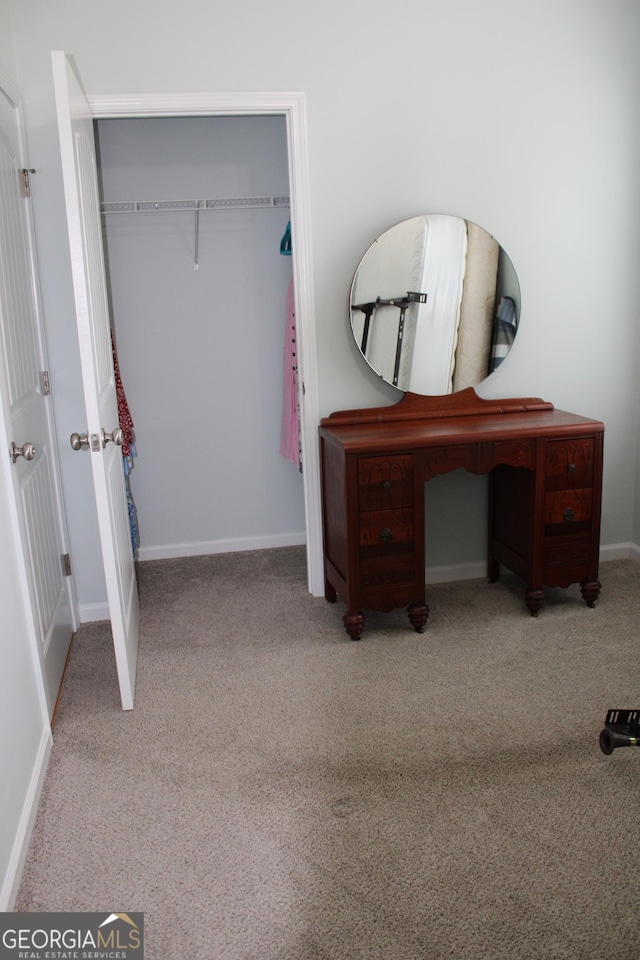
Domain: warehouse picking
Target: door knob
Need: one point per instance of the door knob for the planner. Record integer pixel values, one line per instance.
(27, 450)
(79, 440)
(114, 437)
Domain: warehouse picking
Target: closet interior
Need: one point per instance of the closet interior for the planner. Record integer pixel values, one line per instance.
(195, 213)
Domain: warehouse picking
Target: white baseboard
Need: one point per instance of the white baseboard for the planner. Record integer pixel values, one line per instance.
(456, 571)
(90, 612)
(478, 571)
(11, 881)
(620, 551)
(171, 550)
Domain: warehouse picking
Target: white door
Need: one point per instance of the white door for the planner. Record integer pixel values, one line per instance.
(79, 169)
(28, 423)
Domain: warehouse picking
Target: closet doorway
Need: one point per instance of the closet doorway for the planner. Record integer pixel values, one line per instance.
(199, 307)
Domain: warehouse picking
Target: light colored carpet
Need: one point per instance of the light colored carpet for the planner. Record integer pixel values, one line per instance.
(280, 792)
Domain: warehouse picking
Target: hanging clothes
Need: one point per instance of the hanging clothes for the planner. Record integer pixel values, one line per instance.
(128, 449)
(290, 430)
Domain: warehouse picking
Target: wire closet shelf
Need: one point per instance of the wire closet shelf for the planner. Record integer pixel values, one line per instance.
(149, 206)
(194, 206)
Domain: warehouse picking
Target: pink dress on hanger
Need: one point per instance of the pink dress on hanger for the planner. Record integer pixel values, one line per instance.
(289, 434)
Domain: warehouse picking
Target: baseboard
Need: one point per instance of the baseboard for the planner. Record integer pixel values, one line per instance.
(170, 551)
(478, 571)
(620, 551)
(456, 571)
(89, 612)
(11, 882)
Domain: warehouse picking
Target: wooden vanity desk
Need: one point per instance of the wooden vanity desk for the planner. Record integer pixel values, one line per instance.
(545, 470)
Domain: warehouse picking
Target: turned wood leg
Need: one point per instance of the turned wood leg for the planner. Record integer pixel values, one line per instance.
(418, 614)
(354, 624)
(534, 600)
(590, 591)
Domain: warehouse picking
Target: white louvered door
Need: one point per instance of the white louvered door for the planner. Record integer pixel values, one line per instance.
(28, 417)
(79, 169)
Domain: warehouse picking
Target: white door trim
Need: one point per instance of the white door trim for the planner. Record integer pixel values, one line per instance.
(293, 106)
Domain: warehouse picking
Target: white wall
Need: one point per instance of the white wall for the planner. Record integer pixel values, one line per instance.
(26, 738)
(201, 352)
(522, 117)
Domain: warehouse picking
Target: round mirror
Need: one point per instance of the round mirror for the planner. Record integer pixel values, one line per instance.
(435, 305)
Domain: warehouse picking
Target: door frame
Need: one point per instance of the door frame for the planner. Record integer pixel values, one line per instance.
(291, 105)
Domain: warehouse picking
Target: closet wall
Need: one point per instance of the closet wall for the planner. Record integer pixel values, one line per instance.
(201, 351)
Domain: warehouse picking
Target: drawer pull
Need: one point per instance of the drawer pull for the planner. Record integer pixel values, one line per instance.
(386, 535)
(386, 485)
(568, 514)
(571, 467)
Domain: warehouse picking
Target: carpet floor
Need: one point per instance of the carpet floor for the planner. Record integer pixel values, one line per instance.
(280, 792)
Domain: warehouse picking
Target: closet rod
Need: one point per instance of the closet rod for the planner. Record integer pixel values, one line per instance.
(152, 206)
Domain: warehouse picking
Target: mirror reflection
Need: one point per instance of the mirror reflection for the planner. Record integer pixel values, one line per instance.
(435, 304)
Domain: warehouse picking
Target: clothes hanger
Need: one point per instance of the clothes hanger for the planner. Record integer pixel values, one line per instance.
(285, 243)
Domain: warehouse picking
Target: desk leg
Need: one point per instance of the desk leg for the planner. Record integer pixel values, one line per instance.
(590, 590)
(354, 624)
(534, 600)
(418, 614)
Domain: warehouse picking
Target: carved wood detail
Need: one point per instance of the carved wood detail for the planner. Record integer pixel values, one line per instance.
(414, 406)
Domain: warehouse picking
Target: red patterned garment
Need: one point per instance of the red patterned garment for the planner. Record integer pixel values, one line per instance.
(124, 415)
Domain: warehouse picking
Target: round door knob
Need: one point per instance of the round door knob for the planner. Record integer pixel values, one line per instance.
(27, 450)
(79, 440)
(114, 437)
(568, 514)
(386, 535)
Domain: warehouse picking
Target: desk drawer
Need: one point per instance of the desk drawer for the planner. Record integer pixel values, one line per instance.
(567, 549)
(385, 483)
(565, 508)
(385, 538)
(385, 528)
(569, 464)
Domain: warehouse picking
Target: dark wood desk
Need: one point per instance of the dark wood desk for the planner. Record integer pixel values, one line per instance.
(545, 470)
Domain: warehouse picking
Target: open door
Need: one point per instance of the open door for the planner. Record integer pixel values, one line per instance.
(77, 148)
(26, 416)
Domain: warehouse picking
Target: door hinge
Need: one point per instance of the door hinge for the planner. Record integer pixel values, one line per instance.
(26, 184)
(46, 385)
(66, 564)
